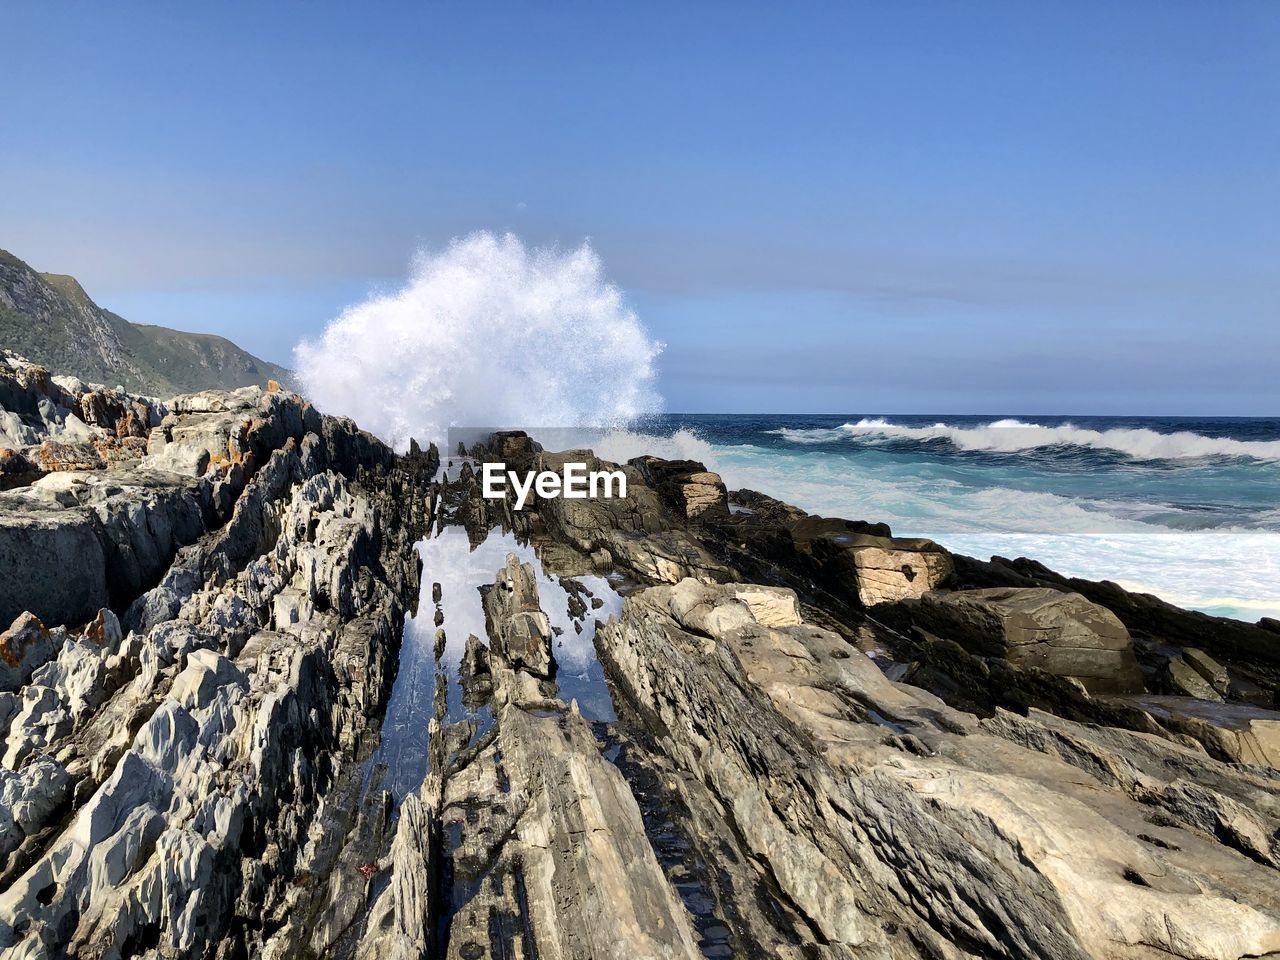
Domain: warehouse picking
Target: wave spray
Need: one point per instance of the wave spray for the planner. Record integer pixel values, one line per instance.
(486, 332)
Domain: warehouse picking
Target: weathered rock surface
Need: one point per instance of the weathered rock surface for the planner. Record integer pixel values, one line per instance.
(118, 529)
(546, 853)
(880, 813)
(518, 629)
(687, 486)
(1035, 627)
(157, 789)
(195, 678)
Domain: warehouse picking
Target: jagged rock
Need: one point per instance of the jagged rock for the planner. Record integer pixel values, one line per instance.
(519, 630)
(515, 448)
(1061, 633)
(203, 744)
(196, 783)
(687, 486)
(400, 924)
(27, 799)
(206, 672)
(475, 658)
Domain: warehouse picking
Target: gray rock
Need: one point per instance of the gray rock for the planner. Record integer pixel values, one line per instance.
(1181, 677)
(872, 806)
(1213, 672)
(518, 629)
(1061, 633)
(205, 674)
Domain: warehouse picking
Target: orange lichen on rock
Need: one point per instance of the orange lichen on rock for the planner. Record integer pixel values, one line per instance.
(15, 641)
(102, 631)
(273, 386)
(55, 457)
(113, 450)
(15, 468)
(134, 421)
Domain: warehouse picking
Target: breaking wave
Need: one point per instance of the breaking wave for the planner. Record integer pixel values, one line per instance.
(486, 332)
(1227, 571)
(1015, 436)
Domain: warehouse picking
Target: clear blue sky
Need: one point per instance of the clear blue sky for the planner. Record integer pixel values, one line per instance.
(861, 207)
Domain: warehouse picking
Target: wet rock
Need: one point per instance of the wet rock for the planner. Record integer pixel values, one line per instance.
(518, 629)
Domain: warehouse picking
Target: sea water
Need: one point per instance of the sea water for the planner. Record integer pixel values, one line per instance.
(1187, 508)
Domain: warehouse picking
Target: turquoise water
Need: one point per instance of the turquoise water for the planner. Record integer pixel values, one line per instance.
(1186, 508)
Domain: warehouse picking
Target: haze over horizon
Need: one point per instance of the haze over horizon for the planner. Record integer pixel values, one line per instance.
(917, 208)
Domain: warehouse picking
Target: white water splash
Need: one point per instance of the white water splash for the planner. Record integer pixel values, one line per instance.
(486, 333)
(1012, 436)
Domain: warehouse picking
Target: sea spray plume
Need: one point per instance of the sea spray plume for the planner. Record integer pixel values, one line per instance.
(486, 332)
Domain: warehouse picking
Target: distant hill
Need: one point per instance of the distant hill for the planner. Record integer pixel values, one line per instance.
(48, 318)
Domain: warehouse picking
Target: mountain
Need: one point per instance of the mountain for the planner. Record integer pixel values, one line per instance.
(48, 318)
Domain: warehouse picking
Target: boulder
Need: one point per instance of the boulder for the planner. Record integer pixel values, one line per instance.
(24, 647)
(1060, 633)
(889, 569)
(686, 486)
(1180, 677)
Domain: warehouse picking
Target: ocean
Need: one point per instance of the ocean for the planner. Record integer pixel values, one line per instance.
(1187, 508)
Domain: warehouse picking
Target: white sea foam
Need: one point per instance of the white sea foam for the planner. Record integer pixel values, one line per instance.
(1014, 436)
(1227, 571)
(486, 333)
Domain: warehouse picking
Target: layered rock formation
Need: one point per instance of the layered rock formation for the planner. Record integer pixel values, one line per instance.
(820, 741)
(161, 778)
(893, 825)
(1035, 792)
(1060, 633)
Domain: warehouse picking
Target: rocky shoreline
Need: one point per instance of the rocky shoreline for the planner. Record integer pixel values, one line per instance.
(823, 741)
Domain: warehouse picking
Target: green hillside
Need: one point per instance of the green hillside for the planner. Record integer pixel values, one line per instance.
(49, 318)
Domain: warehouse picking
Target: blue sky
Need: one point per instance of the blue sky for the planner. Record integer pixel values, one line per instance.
(862, 207)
